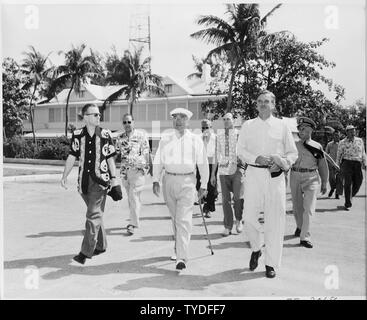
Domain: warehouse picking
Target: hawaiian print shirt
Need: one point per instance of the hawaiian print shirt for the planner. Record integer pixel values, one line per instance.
(227, 152)
(92, 153)
(351, 150)
(134, 150)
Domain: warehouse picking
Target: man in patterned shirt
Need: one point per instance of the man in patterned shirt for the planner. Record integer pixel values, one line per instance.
(94, 148)
(134, 148)
(351, 158)
(230, 174)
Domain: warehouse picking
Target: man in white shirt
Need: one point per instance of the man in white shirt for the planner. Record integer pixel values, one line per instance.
(177, 156)
(266, 144)
(209, 139)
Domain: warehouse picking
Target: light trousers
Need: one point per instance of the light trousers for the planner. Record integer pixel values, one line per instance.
(179, 194)
(134, 183)
(264, 193)
(304, 187)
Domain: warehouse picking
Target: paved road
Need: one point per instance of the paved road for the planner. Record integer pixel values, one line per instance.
(43, 231)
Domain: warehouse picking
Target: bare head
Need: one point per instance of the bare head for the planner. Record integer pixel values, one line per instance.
(91, 115)
(265, 103)
(128, 122)
(228, 120)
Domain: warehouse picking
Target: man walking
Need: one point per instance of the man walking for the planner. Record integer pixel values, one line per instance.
(134, 148)
(351, 158)
(230, 175)
(94, 148)
(310, 166)
(209, 140)
(266, 144)
(335, 178)
(177, 156)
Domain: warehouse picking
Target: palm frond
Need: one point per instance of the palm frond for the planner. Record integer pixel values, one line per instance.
(263, 20)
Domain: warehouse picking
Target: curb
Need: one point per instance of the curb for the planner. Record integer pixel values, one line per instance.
(37, 161)
(34, 177)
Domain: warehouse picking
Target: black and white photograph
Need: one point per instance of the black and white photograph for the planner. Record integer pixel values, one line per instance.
(179, 150)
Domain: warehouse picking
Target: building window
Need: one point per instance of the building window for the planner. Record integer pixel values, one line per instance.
(72, 114)
(168, 88)
(193, 107)
(81, 94)
(54, 115)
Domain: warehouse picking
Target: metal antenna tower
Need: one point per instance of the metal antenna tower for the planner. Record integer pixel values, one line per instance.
(139, 32)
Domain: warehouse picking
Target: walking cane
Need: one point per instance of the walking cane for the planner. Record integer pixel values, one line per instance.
(206, 229)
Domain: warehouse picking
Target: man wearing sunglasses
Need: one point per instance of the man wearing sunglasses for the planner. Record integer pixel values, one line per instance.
(134, 148)
(231, 175)
(177, 156)
(94, 148)
(209, 140)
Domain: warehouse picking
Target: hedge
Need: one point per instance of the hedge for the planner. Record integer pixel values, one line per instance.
(54, 149)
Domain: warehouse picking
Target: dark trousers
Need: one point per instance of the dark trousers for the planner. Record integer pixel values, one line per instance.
(209, 200)
(353, 177)
(95, 234)
(231, 183)
(335, 180)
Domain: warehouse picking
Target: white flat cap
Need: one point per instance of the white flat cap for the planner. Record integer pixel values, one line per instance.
(184, 111)
(350, 127)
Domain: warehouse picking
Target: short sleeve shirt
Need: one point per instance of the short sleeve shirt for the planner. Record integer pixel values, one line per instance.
(93, 153)
(134, 150)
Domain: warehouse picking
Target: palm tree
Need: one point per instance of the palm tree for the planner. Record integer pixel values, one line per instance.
(199, 67)
(237, 38)
(75, 72)
(136, 75)
(34, 66)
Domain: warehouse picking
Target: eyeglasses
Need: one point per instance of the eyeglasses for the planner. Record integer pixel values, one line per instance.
(125, 122)
(227, 119)
(204, 128)
(93, 114)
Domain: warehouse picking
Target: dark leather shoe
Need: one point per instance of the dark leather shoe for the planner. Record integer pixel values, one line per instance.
(336, 196)
(331, 193)
(180, 265)
(306, 243)
(254, 259)
(80, 258)
(270, 273)
(348, 205)
(97, 252)
(297, 233)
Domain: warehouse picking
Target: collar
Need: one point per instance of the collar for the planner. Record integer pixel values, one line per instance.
(97, 131)
(269, 120)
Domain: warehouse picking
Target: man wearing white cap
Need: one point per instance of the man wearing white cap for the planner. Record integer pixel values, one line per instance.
(177, 156)
(351, 158)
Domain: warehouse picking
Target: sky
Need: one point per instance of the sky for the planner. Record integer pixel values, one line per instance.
(61, 24)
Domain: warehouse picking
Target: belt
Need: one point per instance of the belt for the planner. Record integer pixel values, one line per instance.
(262, 167)
(180, 174)
(303, 170)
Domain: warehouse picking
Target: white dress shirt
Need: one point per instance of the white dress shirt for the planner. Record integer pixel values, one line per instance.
(266, 137)
(209, 143)
(180, 155)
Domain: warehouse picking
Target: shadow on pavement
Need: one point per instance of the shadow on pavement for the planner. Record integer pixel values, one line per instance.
(338, 208)
(109, 231)
(175, 281)
(227, 245)
(155, 218)
(163, 278)
(170, 237)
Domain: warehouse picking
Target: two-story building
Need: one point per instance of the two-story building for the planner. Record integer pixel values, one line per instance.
(150, 113)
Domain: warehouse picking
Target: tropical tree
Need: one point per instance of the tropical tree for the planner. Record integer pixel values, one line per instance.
(14, 99)
(76, 71)
(135, 74)
(199, 68)
(35, 68)
(237, 38)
